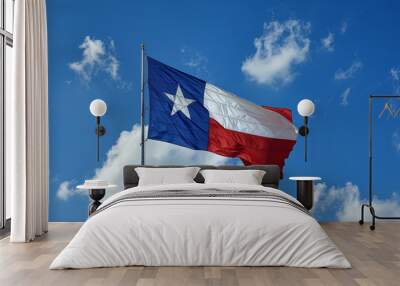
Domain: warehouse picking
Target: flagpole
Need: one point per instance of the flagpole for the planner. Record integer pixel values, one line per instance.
(142, 104)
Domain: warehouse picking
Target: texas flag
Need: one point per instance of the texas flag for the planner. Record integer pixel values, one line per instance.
(193, 113)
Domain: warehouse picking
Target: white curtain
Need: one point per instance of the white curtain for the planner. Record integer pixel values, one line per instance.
(27, 123)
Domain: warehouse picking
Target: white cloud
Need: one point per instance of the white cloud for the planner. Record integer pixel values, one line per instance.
(345, 203)
(96, 57)
(112, 67)
(65, 191)
(396, 140)
(327, 42)
(345, 97)
(395, 74)
(343, 28)
(126, 151)
(348, 73)
(93, 51)
(278, 50)
(194, 60)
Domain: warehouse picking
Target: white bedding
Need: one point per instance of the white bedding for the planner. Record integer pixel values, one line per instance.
(200, 231)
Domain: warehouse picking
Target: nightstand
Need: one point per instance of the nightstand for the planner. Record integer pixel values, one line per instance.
(97, 190)
(305, 190)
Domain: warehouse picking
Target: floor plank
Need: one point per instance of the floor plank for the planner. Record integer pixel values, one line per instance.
(375, 257)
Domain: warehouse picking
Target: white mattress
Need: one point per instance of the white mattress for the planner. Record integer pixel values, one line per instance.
(200, 231)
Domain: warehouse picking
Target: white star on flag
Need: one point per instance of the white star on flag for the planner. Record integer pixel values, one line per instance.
(180, 102)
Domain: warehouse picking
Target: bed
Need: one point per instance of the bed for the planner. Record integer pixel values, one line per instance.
(198, 224)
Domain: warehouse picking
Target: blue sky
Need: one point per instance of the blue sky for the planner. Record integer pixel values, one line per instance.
(333, 52)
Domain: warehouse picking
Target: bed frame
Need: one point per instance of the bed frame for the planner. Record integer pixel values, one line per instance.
(271, 177)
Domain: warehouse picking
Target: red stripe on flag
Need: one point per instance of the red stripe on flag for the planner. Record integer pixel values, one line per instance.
(251, 149)
(285, 112)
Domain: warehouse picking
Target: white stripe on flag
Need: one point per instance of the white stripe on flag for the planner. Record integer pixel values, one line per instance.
(235, 113)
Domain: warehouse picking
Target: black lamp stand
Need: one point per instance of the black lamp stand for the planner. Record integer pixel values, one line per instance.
(100, 131)
(303, 131)
(96, 195)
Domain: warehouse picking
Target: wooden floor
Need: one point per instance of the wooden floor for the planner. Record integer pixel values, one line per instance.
(375, 257)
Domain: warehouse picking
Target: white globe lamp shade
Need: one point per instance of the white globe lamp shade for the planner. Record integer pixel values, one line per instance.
(305, 107)
(98, 107)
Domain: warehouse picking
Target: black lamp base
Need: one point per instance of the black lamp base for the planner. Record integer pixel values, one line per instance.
(305, 193)
(303, 130)
(100, 130)
(96, 195)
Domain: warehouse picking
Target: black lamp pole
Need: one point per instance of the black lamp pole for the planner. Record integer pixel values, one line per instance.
(304, 132)
(100, 131)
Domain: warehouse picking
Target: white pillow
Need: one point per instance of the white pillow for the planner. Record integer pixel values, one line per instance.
(166, 176)
(248, 177)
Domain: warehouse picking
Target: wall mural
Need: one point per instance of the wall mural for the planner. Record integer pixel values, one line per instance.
(279, 53)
